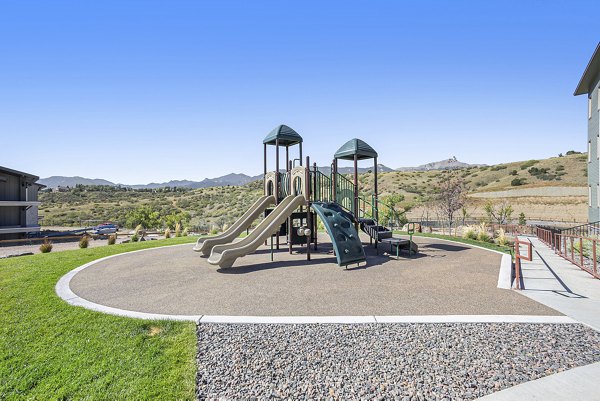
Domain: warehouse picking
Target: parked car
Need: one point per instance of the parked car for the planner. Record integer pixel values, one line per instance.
(106, 228)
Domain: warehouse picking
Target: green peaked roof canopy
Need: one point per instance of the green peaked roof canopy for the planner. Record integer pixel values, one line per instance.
(355, 147)
(285, 134)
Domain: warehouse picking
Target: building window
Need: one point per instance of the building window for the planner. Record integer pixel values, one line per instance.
(590, 107)
(590, 196)
(598, 195)
(589, 151)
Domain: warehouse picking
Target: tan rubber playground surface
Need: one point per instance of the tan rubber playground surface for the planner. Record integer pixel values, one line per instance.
(444, 279)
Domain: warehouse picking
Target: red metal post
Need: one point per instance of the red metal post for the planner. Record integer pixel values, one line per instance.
(581, 250)
(595, 264)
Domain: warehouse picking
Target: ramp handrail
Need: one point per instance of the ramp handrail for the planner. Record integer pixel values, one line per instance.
(518, 258)
(579, 250)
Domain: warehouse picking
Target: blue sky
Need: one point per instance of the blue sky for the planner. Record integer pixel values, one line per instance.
(158, 90)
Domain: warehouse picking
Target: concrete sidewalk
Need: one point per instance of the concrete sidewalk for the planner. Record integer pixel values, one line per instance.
(578, 384)
(559, 284)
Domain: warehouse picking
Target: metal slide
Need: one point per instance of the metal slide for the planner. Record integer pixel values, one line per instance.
(225, 255)
(346, 243)
(205, 245)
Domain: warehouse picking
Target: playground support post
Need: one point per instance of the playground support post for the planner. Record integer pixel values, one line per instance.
(356, 216)
(289, 191)
(376, 200)
(334, 179)
(307, 197)
(309, 223)
(277, 182)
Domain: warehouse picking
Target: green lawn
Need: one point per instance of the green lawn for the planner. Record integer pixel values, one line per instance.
(487, 245)
(51, 350)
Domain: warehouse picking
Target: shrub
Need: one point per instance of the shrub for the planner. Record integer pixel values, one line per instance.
(514, 172)
(167, 233)
(501, 238)
(522, 219)
(528, 164)
(185, 232)
(517, 182)
(470, 232)
(178, 230)
(112, 239)
(84, 242)
(46, 246)
(213, 230)
(482, 234)
(135, 238)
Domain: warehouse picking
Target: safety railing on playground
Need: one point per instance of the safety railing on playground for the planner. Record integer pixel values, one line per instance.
(379, 211)
(344, 192)
(320, 186)
(285, 184)
(580, 250)
(519, 257)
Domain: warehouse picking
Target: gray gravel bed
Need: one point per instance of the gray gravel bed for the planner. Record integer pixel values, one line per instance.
(383, 361)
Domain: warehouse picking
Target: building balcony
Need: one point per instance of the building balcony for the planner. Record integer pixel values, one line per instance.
(19, 203)
(18, 229)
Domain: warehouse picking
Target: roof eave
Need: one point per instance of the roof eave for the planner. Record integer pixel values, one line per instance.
(592, 70)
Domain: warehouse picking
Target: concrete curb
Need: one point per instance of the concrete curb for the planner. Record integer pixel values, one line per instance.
(385, 319)
(505, 274)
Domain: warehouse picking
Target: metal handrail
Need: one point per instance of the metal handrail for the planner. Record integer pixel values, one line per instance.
(565, 246)
(518, 257)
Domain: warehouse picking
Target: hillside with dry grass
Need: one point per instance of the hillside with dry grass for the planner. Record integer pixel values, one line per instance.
(548, 189)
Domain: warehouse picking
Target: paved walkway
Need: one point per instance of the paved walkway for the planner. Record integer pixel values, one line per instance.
(578, 384)
(559, 284)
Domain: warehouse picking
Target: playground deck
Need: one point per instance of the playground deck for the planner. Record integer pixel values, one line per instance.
(444, 279)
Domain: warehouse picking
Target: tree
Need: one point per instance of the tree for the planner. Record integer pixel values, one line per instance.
(144, 216)
(171, 220)
(393, 202)
(464, 214)
(499, 213)
(450, 198)
(522, 219)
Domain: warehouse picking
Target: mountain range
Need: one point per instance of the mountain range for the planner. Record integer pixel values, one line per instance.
(234, 179)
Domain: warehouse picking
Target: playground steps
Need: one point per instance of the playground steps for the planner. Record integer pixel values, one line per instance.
(379, 233)
(375, 231)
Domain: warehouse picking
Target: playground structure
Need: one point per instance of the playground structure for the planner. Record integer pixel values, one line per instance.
(300, 193)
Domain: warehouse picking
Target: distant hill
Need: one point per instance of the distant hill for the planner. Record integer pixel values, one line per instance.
(361, 170)
(59, 181)
(448, 164)
(547, 189)
(229, 179)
